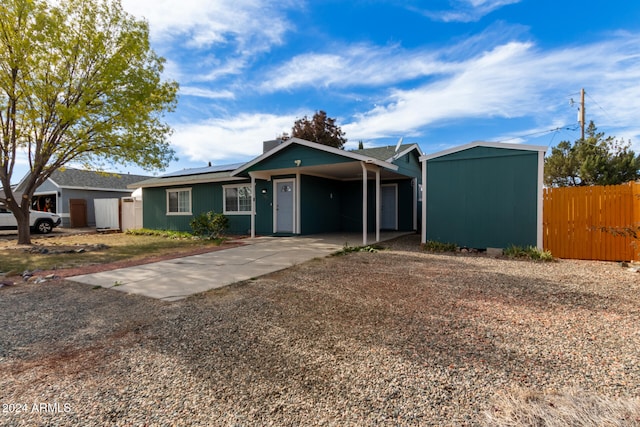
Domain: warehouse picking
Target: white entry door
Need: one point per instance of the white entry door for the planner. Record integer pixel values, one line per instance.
(284, 206)
(389, 207)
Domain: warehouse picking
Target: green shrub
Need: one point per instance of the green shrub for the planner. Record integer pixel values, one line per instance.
(435, 246)
(209, 225)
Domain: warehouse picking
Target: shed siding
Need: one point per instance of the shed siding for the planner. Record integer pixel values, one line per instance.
(483, 197)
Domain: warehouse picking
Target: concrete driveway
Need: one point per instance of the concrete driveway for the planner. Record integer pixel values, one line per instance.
(178, 278)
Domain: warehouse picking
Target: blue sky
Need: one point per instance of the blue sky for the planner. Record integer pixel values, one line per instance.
(437, 73)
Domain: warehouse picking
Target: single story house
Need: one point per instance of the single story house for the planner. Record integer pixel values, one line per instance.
(71, 193)
(295, 187)
(484, 195)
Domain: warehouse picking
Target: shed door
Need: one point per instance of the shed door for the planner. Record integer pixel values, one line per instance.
(284, 205)
(389, 207)
(78, 212)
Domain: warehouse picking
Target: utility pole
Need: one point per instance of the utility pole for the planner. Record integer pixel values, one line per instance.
(581, 118)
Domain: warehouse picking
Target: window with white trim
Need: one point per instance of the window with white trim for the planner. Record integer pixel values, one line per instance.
(179, 201)
(237, 199)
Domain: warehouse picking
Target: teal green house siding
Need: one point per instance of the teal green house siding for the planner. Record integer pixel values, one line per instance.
(483, 197)
(286, 158)
(204, 197)
(320, 205)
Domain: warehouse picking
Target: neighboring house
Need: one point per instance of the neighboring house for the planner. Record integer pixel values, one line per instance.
(295, 187)
(71, 193)
(484, 195)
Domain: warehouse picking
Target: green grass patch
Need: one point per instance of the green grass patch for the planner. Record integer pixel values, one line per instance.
(169, 234)
(43, 254)
(346, 249)
(527, 252)
(435, 246)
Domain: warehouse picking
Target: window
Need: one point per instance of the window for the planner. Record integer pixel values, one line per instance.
(237, 199)
(179, 201)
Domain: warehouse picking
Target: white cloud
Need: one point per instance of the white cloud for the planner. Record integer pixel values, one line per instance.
(468, 10)
(355, 66)
(512, 80)
(252, 24)
(206, 93)
(230, 138)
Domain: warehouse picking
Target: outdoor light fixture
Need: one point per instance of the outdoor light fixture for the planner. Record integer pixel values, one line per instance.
(263, 191)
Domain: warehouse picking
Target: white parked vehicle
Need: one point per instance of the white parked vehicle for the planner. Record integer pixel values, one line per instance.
(40, 222)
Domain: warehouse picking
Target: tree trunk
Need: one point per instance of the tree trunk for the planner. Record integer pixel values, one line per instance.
(24, 231)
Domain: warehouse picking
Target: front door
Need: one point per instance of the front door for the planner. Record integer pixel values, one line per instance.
(389, 207)
(284, 206)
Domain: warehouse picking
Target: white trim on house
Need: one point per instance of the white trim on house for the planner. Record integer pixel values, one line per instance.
(316, 146)
(179, 190)
(475, 144)
(201, 179)
(396, 156)
(224, 199)
(540, 206)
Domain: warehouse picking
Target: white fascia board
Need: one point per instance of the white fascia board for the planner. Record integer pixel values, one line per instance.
(315, 146)
(523, 147)
(68, 187)
(408, 150)
(185, 182)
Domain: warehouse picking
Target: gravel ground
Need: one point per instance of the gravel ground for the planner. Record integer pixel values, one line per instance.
(398, 337)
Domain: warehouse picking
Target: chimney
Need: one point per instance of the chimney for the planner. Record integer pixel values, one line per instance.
(270, 145)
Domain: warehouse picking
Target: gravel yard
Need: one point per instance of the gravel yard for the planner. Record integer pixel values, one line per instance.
(397, 337)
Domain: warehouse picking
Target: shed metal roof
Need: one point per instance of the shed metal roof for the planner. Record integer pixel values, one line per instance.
(523, 147)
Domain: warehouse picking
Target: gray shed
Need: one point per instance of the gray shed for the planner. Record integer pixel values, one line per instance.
(483, 195)
(71, 193)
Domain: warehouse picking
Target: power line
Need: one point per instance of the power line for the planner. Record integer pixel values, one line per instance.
(600, 107)
(567, 127)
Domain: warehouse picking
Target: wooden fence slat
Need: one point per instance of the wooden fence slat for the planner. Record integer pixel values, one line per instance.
(592, 222)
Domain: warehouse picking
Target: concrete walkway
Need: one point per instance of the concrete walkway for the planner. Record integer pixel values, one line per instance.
(178, 278)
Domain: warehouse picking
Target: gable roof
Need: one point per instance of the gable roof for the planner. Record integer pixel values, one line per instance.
(78, 178)
(504, 145)
(389, 152)
(314, 145)
(186, 179)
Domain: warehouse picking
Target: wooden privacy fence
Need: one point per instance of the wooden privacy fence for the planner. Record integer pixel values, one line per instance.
(596, 222)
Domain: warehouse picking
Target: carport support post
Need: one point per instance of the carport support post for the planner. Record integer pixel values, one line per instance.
(253, 207)
(377, 205)
(364, 204)
(423, 233)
